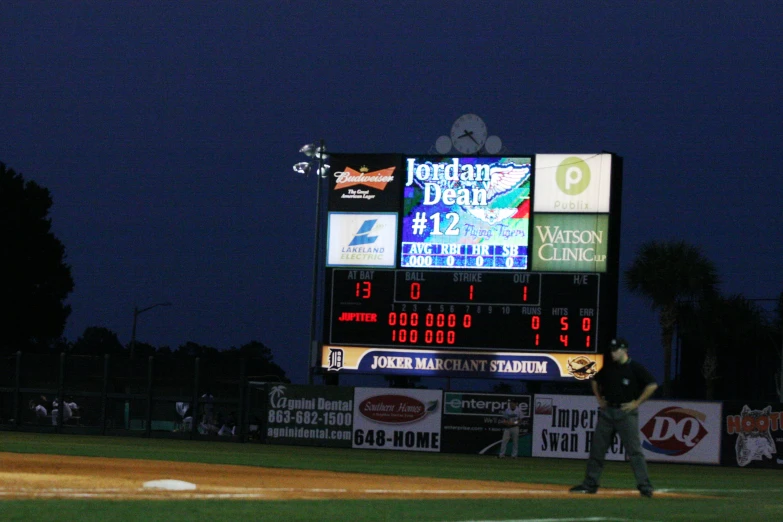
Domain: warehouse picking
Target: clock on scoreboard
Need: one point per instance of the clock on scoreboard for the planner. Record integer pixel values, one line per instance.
(471, 266)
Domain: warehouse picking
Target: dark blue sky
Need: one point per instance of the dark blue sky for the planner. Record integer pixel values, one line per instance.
(166, 134)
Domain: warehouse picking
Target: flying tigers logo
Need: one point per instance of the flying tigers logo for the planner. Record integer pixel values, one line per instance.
(581, 367)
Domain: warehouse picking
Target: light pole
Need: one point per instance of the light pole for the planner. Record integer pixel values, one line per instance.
(136, 313)
(316, 152)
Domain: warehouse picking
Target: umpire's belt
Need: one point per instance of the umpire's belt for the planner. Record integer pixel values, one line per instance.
(615, 404)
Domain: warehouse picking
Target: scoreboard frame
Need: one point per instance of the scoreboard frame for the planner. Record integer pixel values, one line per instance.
(459, 317)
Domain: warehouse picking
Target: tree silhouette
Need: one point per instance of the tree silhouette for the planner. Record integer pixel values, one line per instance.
(668, 273)
(33, 274)
(259, 361)
(724, 340)
(97, 340)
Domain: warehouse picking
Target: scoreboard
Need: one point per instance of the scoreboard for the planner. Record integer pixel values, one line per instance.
(465, 311)
(499, 267)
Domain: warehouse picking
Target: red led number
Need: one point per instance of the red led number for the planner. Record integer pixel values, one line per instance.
(403, 318)
(535, 324)
(586, 324)
(363, 289)
(439, 327)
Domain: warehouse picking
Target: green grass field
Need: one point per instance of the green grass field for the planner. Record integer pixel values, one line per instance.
(736, 494)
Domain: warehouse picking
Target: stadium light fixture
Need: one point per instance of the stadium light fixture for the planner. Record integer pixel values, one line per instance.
(317, 163)
(316, 152)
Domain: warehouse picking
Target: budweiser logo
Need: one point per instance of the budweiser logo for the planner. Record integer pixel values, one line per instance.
(377, 179)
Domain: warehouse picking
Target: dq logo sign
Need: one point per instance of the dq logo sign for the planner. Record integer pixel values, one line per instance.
(674, 431)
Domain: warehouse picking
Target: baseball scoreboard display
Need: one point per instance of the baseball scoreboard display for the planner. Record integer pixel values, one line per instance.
(503, 267)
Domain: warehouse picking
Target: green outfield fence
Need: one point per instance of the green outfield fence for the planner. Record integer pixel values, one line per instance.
(206, 399)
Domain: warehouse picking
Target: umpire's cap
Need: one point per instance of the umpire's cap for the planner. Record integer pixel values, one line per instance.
(618, 344)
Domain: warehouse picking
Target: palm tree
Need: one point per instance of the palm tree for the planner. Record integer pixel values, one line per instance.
(747, 345)
(734, 339)
(669, 273)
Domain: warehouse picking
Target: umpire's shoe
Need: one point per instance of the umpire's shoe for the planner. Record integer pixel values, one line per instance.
(646, 492)
(581, 488)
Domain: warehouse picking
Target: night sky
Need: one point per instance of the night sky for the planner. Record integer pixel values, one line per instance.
(166, 132)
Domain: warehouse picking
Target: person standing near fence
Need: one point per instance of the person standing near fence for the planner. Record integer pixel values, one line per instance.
(512, 417)
(620, 387)
(208, 399)
(67, 412)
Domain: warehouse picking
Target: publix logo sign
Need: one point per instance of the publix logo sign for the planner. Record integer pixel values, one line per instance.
(674, 431)
(568, 183)
(572, 176)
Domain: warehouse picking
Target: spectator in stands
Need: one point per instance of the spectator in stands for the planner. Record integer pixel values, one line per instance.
(76, 412)
(229, 425)
(37, 406)
(67, 412)
(207, 424)
(208, 400)
(186, 422)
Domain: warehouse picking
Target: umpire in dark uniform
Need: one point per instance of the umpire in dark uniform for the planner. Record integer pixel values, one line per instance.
(620, 387)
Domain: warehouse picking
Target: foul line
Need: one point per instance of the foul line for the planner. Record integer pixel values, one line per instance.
(580, 519)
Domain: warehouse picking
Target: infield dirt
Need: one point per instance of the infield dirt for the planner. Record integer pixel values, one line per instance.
(55, 476)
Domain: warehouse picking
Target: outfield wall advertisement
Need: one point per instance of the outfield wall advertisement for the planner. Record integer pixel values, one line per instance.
(752, 435)
(309, 415)
(397, 419)
(677, 431)
(563, 427)
(471, 423)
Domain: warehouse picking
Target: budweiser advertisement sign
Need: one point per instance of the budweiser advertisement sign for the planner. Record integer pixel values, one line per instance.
(353, 179)
(365, 182)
